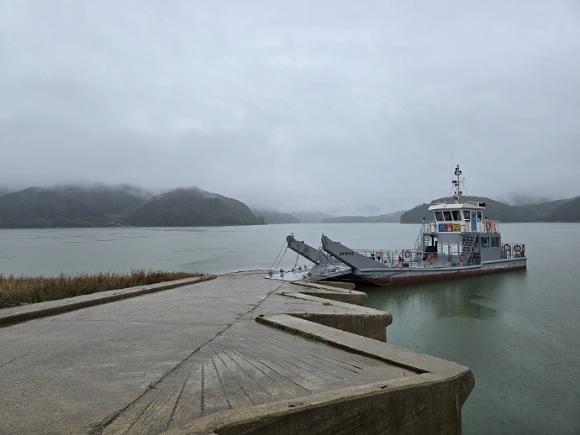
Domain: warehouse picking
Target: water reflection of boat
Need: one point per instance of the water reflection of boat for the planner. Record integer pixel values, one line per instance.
(459, 242)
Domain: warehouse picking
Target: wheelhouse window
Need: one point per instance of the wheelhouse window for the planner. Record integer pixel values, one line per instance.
(455, 214)
(466, 215)
(485, 242)
(447, 215)
(495, 242)
(438, 216)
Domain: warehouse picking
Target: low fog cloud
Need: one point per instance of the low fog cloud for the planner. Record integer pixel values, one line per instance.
(347, 107)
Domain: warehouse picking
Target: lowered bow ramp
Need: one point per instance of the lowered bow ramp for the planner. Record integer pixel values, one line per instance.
(325, 266)
(351, 258)
(308, 252)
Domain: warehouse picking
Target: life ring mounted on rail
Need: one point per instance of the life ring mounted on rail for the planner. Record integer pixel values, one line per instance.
(517, 249)
(407, 254)
(507, 247)
(431, 258)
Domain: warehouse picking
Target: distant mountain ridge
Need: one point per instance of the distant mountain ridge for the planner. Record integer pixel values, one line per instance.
(564, 210)
(275, 217)
(69, 206)
(311, 217)
(192, 207)
(383, 218)
(105, 206)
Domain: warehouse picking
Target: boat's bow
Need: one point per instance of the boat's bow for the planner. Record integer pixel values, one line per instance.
(350, 257)
(324, 267)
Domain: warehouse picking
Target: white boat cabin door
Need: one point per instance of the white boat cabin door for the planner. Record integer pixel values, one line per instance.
(473, 220)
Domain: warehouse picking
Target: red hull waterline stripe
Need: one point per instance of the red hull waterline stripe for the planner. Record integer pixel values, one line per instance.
(387, 281)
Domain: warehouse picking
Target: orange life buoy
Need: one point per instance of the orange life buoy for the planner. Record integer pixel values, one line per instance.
(488, 226)
(407, 253)
(462, 257)
(431, 259)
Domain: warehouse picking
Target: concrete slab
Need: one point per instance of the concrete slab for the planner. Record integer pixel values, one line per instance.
(194, 359)
(23, 313)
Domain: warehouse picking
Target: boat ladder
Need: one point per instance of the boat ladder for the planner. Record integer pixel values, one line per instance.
(469, 240)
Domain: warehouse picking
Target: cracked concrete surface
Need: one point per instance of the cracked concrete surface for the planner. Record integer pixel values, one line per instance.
(194, 359)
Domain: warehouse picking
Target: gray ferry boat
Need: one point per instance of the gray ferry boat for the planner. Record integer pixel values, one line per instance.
(460, 241)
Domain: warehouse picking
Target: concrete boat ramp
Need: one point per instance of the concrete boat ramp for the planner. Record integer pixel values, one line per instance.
(233, 355)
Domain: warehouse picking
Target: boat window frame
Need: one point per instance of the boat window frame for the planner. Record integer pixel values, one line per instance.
(447, 216)
(467, 215)
(436, 213)
(494, 242)
(484, 242)
(479, 216)
(455, 215)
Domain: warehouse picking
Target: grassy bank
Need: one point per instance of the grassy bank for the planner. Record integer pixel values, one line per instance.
(27, 290)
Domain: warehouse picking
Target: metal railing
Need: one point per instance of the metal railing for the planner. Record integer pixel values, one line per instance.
(412, 258)
(513, 250)
(489, 226)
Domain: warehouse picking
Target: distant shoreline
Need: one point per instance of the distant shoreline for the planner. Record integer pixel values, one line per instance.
(255, 225)
(132, 207)
(16, 290)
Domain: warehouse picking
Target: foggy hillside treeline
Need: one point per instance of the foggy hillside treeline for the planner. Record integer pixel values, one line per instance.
(564, 210)
(124, 205)
(104, 206)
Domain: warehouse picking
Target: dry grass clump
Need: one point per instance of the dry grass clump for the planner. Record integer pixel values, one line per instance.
(15, 290)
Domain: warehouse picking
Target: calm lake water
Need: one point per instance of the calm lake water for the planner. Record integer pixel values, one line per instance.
(519, 332)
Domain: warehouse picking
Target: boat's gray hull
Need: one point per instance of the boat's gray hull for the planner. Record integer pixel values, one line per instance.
(405, 275)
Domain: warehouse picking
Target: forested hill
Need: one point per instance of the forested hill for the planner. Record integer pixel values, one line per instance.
(103, 206)
(565, 210)
(69, 206)
(275, 217)
(382, 218)
(192, 207)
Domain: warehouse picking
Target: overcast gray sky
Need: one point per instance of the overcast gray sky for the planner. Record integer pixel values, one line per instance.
(342, 106)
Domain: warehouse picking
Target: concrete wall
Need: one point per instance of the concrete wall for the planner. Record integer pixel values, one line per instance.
(366, 325)
(430, 408)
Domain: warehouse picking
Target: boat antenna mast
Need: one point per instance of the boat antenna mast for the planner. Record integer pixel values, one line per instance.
(457, 184)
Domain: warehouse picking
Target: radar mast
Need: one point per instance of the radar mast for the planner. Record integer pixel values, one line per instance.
(457, 183)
